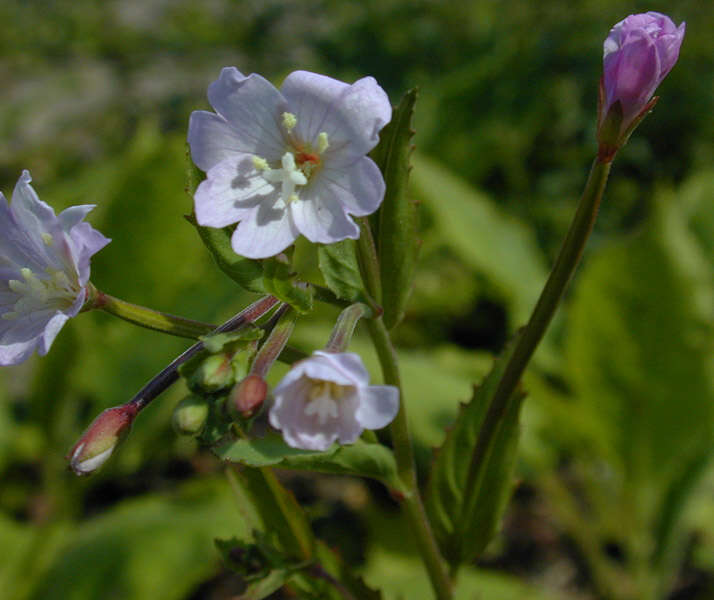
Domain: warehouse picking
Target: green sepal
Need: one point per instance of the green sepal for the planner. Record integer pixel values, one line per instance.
(281, 281)
(464, 520)
(396, 230)
(221, 341)
(339, 267)
(361, 458)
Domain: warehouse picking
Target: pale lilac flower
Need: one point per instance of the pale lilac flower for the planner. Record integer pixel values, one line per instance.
(637, 55)
(327, 398)
(289, 162)
(44, 270)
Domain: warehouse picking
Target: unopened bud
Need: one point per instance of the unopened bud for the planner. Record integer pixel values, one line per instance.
(213, 374)
(100, 438)
(190, 415)
(248, 396)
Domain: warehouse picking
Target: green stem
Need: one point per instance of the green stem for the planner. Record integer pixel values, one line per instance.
(404, 455)
(369, 262)
(570, 253)
(147, 317)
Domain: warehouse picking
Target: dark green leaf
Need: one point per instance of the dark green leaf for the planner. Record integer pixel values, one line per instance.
(338, 263)
(245, 272)
(397, 242)
(282, 282)
(465, 520)
(361, 458)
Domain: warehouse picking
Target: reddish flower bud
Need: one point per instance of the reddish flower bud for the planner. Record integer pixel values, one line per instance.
(100, 438)
(248, 396)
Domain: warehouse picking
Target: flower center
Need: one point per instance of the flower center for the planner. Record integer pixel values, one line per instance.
(322, 400)
(41, 293)
(297, 164)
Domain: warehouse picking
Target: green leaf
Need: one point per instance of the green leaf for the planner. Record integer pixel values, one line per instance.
(282, 282)
(338, 263)
(268, 508)
(465, 520)
(156, 546)
(497, 246)
(397, 242)
(246, 272)
(361, 458)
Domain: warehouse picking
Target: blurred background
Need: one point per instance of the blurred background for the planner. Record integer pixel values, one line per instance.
(614, 495)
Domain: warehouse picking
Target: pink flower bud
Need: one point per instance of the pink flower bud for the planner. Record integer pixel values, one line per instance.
(248, 396)
(637, 55)
(100, 438)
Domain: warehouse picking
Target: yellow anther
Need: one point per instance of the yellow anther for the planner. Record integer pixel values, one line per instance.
(322, 143)
(292, 198)
(289, 121)
(260, 163)
(10, 315)
(47, 238)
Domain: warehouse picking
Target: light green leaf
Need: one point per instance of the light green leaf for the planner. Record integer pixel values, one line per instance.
(361, 458)
(397, 242)
(158, 546)
(465, 512)
(501, 248)
(338, 264)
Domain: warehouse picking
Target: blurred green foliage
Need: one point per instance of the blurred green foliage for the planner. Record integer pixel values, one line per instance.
(615, 488)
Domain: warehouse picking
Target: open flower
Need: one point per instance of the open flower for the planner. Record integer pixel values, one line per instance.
(289, 162)
(327, 397)
(44, 270)
(638, 54)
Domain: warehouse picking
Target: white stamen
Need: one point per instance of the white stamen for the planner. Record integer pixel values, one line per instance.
(289, 121)
(321, 404)
(41, 293)
(322, 143)
(260, 163)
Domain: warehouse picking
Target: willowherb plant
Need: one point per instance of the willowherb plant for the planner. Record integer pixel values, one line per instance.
(280, 164)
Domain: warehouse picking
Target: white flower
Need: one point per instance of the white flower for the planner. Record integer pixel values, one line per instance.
(44, 270)
(289, 162)
(327, 397)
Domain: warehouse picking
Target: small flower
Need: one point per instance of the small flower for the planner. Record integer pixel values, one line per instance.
(44, 270)
(289, 162)
(327, 397)
(100, 438)
(637, 55)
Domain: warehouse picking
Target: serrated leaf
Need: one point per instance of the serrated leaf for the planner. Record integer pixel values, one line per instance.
(282, 282)
(338, 264)
(361, 458)
(465, 520)
(397, 241)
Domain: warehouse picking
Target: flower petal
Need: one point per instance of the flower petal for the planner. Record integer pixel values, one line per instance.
(349, 366)
(350, 115)
(378, 406)
(320, 217)
(232, 190)
(212, 139)
(266, 231)
(253, 108)
(359, 188)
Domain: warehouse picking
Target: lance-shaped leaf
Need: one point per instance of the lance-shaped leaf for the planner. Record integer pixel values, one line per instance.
(338, 263)
(245, 272)
(465, 501)
(397, 241)
(268, 508)
(361, 458)
(281, 281)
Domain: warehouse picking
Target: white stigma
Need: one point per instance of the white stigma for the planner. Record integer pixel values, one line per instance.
(288, 177)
